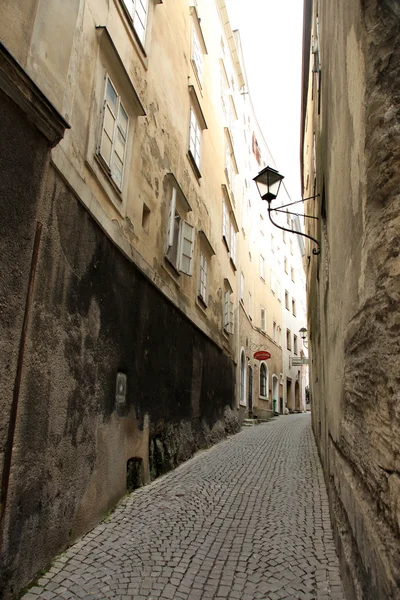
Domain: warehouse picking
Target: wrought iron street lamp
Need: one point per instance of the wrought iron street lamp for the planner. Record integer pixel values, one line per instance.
(303, 335)
(268, 183)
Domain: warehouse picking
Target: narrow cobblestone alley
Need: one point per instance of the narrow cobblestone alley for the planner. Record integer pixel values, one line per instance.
(247, 519)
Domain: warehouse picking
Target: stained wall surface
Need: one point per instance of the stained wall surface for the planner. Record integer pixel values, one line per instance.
(350, 157)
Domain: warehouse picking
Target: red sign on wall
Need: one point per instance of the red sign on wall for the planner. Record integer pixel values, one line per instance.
(262, 355)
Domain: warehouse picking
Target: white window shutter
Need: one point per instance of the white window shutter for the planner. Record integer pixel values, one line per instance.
(226, 310)
(187, 248)
(109, 123)
(225, 223)
(171, 220)
(233, 244)
(232, 318)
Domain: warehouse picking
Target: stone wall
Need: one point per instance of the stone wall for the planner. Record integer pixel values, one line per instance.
(354, 289)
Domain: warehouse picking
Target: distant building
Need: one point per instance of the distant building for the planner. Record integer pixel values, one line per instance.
(350, 155)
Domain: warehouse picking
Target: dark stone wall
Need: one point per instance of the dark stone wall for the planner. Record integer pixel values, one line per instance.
(93, 315)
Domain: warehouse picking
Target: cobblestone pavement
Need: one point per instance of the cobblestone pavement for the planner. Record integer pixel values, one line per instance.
(247, 519)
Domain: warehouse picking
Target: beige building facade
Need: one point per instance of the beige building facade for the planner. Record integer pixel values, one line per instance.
(350, 141)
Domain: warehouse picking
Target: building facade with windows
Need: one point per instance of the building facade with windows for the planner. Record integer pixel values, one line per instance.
(350, 157)
(137, 262)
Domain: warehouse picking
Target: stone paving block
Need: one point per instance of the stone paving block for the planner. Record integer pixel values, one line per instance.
(207, 530)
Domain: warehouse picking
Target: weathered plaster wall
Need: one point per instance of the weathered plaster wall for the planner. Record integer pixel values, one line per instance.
(93, 315)
(354, 288)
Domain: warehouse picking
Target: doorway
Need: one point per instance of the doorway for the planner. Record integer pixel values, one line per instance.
(297, 396)
(289, 395)
(250, 395)
(275, 395)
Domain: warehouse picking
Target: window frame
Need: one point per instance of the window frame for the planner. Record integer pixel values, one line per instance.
(263, 319)
(288, 339)
(180, 239)
(108, 163)
(262, 268)
(133, 17)
(263, 381)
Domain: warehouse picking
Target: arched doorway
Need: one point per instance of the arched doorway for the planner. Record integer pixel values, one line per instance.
(297, 397)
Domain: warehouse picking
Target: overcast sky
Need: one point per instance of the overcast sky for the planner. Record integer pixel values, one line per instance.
(271, 34)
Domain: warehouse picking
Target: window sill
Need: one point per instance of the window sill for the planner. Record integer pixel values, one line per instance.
(171, 265)
(263, 397)
(102, 175)
(195, 168)
(201, 303)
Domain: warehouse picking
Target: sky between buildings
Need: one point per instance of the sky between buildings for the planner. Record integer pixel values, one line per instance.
(271, 34)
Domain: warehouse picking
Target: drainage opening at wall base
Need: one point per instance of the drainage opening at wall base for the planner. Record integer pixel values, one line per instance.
(134, 474)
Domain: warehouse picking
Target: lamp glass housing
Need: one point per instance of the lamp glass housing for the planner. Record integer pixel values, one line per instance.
(268, 183)
(303, 333)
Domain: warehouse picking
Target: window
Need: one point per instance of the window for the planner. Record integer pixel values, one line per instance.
(262, 268)
(285, 264)
(225, 223)
(288, 339)
(293, 306)
(114, 133)
(272, 243)
(284, 236)
(233, 244)
(263, 320)
(231, 169)
(229, 227)
(197, 54)
(279, 336)
(286, 300)
(203, 277)
(138, 12)
(295, 345)
(263, 380)
(206, 252)
(195, 138)
(180, 235)
(250, 306)
(241, 287)
(228, 317)
(292, 274)
(196, 124)
(262, 225)
(291, 246)
(274, 331)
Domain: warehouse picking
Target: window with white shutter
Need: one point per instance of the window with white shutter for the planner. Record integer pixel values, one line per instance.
(114, 133)
(180, 238)
(233, 244)
(138, 11)
(225, 223)
(195, 138)
(197, 54)
(203, 279)
(186, 265)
